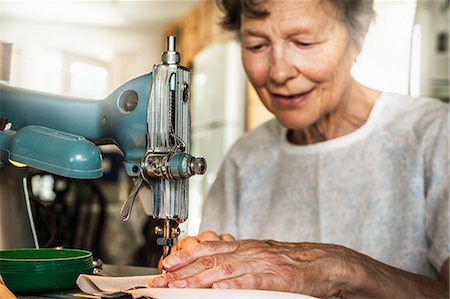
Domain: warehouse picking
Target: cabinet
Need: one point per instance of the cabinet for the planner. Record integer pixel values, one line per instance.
(196, 30)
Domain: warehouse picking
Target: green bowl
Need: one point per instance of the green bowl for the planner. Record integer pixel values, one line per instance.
(43, 270)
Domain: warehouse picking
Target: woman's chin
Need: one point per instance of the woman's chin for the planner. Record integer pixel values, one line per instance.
(293, 123)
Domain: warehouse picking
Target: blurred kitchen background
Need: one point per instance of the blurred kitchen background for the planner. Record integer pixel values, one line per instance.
(88, 48)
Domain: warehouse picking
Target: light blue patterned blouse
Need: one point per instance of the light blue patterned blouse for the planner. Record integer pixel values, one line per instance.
(382, 190)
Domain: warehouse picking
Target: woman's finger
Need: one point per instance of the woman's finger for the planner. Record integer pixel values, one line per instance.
(202, 237)
(256, 281)
(200, 265)
(208, 236)
(184, 243)
(224, 268)
(187, 242)
(207, 278)
(186, 256)
(227, 237)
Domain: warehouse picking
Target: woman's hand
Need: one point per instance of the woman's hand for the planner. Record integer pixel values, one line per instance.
(315, 269)
(320, 270)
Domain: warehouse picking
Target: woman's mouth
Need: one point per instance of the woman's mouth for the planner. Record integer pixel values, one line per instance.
(291, 100)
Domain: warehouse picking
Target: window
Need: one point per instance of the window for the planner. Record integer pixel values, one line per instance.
(384, 62)
(56, 71)
(87, 80)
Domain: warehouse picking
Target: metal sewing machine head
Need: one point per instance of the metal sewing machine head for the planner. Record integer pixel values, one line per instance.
(148, 118)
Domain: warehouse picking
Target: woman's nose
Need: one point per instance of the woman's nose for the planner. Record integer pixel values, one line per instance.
(281, 68)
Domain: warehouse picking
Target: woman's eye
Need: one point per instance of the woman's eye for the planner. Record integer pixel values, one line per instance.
(302, 44)
(255, 48)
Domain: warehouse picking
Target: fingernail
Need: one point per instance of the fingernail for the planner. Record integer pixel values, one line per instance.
(178, 284)
(158, 282)
(171, 261)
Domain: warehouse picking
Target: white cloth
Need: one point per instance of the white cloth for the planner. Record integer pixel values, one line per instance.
(382, 190)
(136, 286)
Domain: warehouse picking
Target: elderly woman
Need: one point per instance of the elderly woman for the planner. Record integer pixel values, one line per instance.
(351, 182)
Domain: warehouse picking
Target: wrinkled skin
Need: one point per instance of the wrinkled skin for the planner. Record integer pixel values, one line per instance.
(322, 270)
(251, 264)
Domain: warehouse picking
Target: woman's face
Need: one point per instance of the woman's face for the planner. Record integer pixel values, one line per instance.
(298, 58)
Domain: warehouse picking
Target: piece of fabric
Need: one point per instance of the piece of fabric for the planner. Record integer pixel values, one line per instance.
(382, 190)
(111, 287)
(136, 286)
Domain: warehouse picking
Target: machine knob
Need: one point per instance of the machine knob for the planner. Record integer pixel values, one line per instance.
(197, 165)
(173, 166)
(170, 55)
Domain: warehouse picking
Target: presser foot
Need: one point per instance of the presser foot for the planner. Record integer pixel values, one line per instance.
(169, 237)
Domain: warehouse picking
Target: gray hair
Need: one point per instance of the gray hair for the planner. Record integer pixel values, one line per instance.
(357, 15)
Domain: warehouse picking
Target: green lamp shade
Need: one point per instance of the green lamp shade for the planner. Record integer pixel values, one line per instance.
(53, 151)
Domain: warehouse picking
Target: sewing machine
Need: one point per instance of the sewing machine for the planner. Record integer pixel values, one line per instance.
(148, 118)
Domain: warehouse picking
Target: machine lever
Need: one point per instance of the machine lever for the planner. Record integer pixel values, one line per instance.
(125, 211)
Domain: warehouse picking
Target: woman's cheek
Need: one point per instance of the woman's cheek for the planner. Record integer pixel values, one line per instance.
(318, 66)
(256, 69)
(317, 70)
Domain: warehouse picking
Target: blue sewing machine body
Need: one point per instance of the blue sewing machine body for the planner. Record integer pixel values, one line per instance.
(66, 126)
